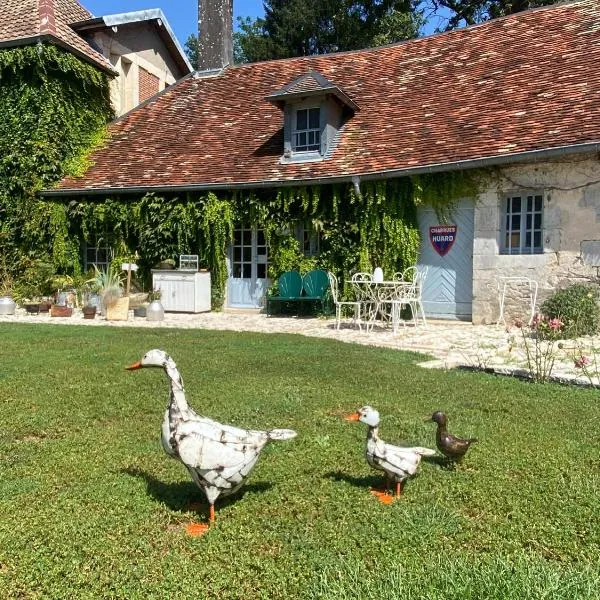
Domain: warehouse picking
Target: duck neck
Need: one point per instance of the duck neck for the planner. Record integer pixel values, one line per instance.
(177, 399)
(373, 433)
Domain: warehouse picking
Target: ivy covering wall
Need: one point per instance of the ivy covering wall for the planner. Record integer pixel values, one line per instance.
(53, 108)
(360, 228)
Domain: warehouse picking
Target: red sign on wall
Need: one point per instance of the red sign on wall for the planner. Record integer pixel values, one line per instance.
(442, 238)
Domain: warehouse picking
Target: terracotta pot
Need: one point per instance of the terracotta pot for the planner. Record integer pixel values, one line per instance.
(60, 311)
(89, 312)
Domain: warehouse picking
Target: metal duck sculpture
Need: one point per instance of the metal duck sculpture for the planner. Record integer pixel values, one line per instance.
(398, 463)
(451, 446)
(218, 457)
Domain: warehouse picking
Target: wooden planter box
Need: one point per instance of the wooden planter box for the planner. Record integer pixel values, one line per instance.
(119, 311)
(60, 311)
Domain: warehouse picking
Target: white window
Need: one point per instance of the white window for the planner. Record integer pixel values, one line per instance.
(522, 229)
(306, 136)
(309, 239)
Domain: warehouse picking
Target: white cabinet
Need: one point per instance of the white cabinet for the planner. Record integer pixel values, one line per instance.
(183, 291)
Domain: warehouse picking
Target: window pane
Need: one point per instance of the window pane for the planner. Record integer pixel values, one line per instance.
(237, 254)
(247, 271)
(261, 250)
(538, 221)
(261, 271)
(529, 203)
(101, 256)
(528, 222)
(528, 240)
(516, 222)
(315, 117)
(237, 270)
(537, 239)
(302, 139)
(247, 237)
(538, 203)
(301, 119)
(515, 240)
(516, 205)
(247, 254)
(260, 237)
(237, 237)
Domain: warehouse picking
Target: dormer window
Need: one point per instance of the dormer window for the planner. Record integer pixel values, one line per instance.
(314, 112)
(307, 130)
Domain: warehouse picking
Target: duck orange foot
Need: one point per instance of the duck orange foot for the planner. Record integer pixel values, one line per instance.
(196, 529)
(383, 496)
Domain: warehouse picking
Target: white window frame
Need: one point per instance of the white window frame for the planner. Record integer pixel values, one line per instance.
(307, 148)
(519, 231)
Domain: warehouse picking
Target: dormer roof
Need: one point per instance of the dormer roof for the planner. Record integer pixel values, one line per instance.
(310, 84)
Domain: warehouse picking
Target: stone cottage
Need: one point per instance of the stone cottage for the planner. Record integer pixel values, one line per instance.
(517, 98)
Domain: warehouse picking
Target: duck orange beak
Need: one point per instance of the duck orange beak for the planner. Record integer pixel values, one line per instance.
(353, 417)
(135, 365)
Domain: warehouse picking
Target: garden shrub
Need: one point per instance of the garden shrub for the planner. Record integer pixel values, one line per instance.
(577, 307)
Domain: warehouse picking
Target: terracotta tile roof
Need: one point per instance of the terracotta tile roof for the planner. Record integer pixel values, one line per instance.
(522, 83)
(21, 20)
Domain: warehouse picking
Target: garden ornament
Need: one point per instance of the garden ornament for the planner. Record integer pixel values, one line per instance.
(452, 447)
(218, 457)
(398, 463)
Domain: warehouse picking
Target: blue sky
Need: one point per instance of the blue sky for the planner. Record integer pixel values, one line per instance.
(181, 14)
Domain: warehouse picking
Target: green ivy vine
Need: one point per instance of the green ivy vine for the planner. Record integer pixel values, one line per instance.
(53, 110)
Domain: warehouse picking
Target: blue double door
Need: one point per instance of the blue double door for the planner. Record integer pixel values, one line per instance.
(247, 283)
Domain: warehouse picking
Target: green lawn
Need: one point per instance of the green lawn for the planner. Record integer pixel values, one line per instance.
(91, 507)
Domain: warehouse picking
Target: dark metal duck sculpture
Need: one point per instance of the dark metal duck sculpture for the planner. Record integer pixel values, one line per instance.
(452, 447)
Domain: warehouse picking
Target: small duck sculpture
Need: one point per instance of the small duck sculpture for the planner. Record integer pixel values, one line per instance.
(218, 457)
(452, 447)
(398, 463)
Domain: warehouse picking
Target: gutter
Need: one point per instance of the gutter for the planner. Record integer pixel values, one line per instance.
(528, 156)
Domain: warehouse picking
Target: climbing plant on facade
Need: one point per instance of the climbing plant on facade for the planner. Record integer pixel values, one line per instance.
(53, 109)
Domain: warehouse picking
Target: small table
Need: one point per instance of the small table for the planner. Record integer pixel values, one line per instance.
(376, 294)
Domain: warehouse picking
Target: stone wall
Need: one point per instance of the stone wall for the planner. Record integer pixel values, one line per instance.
(571, 190)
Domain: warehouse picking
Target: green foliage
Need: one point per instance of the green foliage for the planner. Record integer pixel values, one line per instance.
(458, 13)
(577, 307)
(52, 108)
(91, 507)
(300, 28)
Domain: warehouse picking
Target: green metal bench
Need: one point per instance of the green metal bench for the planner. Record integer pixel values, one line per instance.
(293, 288)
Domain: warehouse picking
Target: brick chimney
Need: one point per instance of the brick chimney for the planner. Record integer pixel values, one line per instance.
(215, 47)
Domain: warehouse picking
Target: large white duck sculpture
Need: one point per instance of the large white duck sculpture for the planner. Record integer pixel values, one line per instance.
(398, 463)
(218, 457)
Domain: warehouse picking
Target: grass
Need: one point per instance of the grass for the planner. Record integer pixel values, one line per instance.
(91, 507)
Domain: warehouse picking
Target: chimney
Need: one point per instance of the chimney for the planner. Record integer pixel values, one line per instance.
(215, 44)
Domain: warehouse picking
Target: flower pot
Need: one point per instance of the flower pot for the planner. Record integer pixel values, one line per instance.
(119, 310)
(155, 311)
(139, 311)
(89, 312)
(60, 311)
(45, 307)
(32, 309)
(7, 305)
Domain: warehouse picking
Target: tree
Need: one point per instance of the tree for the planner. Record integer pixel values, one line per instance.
(457, 13)
(306, 27)
(191, 49)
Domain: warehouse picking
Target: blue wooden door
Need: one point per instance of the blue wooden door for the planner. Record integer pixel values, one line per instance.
(448, 287)
(247, 283)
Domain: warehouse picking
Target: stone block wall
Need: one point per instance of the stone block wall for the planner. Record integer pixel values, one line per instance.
(571, 191)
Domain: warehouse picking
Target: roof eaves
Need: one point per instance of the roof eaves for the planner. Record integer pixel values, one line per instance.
(278, 97)
(48, 37)
(462, 165)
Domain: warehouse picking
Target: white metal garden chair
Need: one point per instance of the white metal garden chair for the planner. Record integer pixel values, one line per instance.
(367, 297)
(340, 304)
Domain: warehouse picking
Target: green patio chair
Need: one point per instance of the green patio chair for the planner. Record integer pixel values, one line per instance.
(316, 284)
(289, 286)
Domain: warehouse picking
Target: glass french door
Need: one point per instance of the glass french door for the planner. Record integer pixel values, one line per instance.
(248, 259)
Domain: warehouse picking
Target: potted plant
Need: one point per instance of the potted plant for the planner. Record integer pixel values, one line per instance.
(155, 310)
(110, 288)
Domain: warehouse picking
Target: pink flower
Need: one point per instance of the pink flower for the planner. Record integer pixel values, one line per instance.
(555, 323)
(581, 362)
